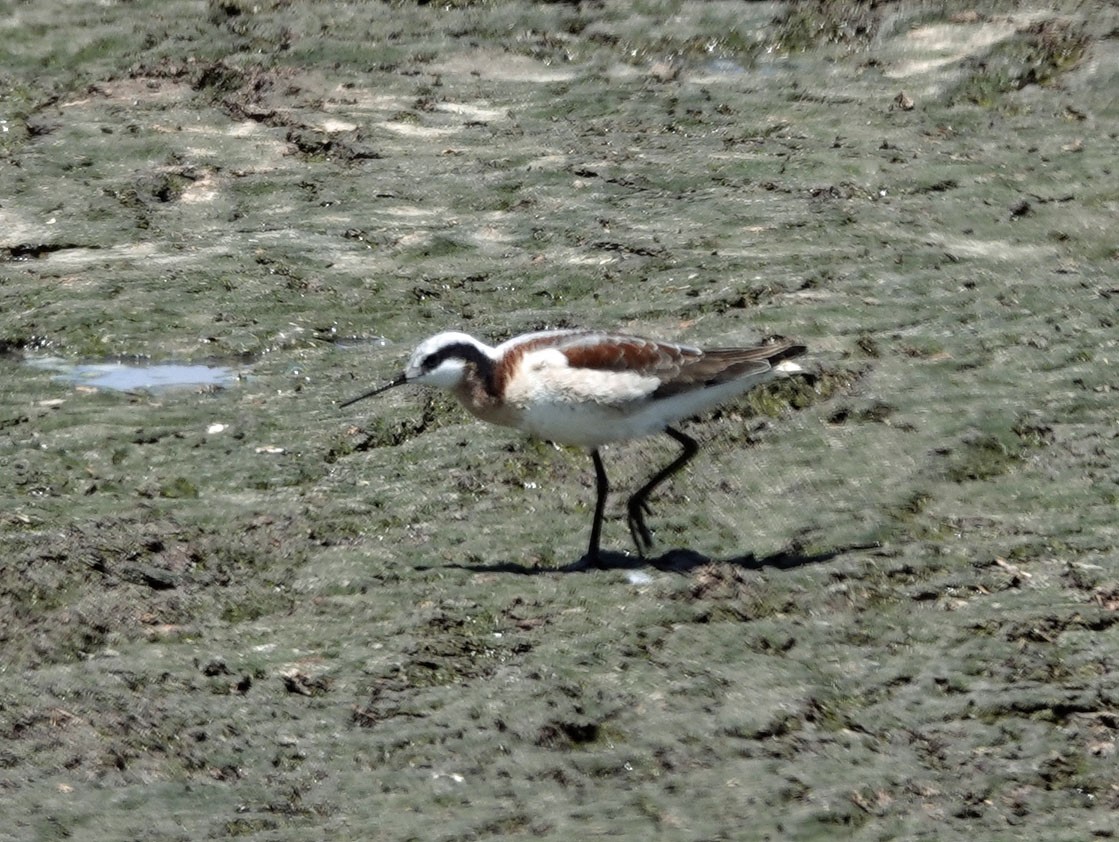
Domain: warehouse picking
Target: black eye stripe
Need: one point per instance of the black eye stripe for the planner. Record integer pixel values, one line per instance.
(460, 350)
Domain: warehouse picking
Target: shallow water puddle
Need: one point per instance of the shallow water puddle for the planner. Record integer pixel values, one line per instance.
(126, 377)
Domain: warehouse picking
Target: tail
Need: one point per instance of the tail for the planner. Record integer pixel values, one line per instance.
(780, 360)
(747, 366)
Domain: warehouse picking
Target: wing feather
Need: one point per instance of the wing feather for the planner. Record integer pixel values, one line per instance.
(678, 368)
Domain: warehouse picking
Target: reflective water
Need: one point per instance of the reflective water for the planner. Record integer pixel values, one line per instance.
(127, 377)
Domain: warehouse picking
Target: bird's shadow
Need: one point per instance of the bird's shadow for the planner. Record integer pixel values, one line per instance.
(673, 561)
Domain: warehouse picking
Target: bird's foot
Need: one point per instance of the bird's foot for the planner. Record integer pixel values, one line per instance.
(642, 536)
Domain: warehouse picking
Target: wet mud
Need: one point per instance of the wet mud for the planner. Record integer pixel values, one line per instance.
(886, 598)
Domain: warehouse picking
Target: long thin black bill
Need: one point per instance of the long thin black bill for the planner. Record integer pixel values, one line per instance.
(399, 381)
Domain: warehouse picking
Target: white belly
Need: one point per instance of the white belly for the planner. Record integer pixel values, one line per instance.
(590, 407)
(590, 424)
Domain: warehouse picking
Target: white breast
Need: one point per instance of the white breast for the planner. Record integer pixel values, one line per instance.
(545, 377)
(576, 405)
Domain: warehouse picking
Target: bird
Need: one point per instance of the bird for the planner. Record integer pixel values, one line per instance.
(589, 388)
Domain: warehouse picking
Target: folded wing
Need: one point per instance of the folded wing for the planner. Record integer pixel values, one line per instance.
(679, 368)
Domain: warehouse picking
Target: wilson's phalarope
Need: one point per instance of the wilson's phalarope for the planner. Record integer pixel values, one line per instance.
(588, 388)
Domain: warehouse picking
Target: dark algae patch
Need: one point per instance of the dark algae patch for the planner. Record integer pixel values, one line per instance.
(883, 599)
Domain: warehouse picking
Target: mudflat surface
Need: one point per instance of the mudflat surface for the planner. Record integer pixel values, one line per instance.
(888, 598)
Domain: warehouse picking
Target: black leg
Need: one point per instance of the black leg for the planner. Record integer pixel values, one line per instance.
(638, 504)
(602, 488)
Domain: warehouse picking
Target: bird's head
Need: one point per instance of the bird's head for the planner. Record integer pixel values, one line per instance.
(440, 360)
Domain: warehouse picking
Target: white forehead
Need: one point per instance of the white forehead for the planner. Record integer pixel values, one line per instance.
(441, 340)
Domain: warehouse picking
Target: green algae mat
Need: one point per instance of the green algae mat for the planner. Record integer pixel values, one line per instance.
(886, 595)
